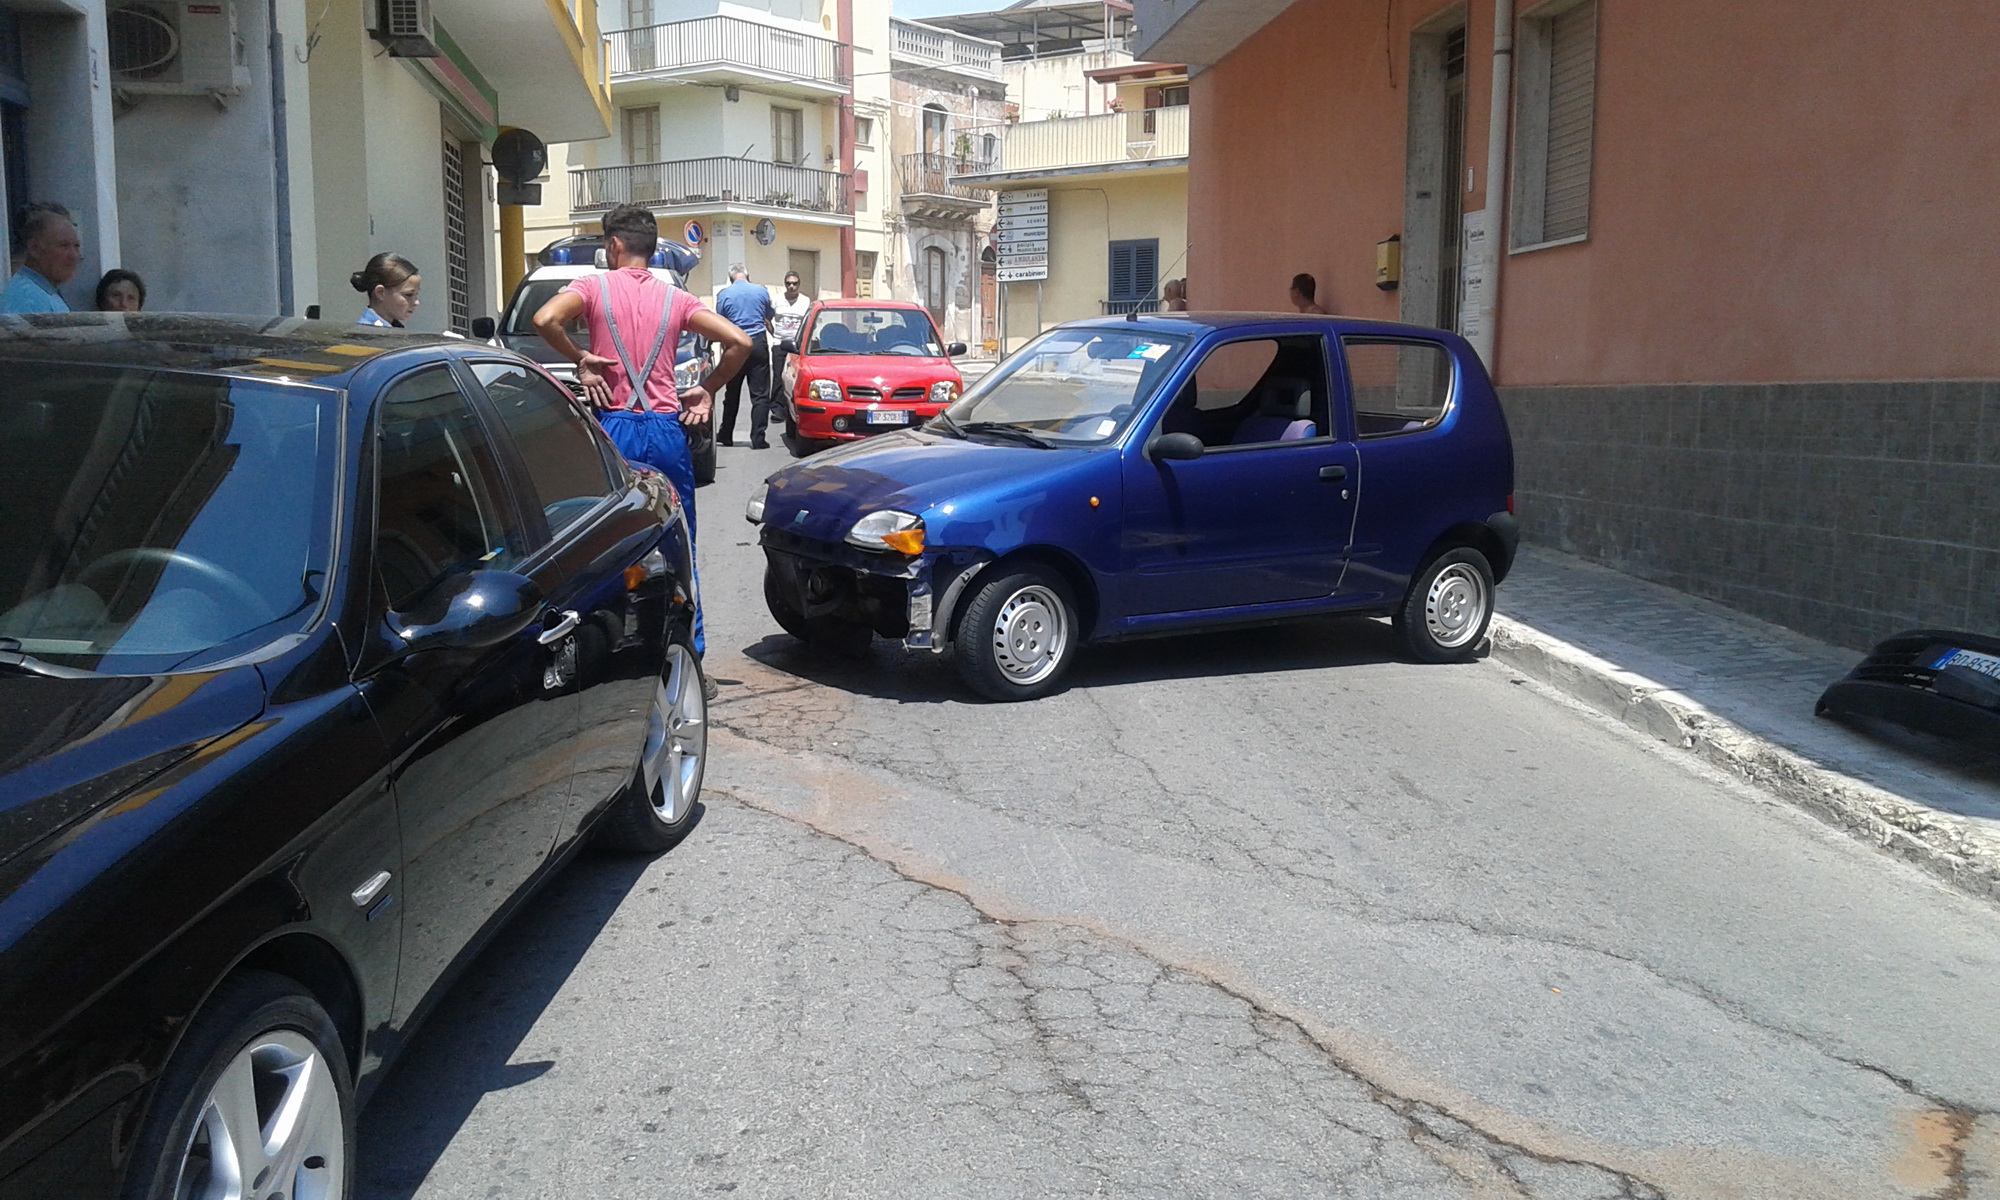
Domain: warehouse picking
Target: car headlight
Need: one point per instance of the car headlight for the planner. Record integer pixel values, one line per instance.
(753, 512)
(688, 375)
(887, 529)
(944, 391)
(826, 391)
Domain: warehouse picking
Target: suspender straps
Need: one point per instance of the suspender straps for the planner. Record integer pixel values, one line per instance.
(639, 378)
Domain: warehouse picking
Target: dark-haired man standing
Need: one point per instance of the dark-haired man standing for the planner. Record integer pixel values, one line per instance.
(635, 319)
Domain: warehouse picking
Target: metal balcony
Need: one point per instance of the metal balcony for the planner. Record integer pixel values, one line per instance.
(727, 50)
(1112, 141)
(933, 184)
(705, 185)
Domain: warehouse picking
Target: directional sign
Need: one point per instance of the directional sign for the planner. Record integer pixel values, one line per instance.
(1014, 253)
(1009, 235)
(1022, 236)
(1020, 274)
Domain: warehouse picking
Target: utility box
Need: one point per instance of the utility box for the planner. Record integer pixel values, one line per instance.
(1389, 263)
(176, 48)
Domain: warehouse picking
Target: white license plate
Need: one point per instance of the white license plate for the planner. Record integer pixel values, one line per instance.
(1985, 664)
(888, 416)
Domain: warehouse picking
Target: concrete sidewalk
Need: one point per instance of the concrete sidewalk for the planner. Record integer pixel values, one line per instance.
(1739, 692)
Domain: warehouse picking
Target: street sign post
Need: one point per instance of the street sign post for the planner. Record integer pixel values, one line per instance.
(1021, 249)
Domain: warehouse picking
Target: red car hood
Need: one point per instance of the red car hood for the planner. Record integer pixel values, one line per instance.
(886, 371)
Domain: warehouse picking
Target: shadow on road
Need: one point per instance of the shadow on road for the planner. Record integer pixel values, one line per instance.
(465, 1048)
(890, 672)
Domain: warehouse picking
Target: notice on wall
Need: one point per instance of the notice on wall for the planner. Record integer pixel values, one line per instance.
(1472, 274)
(1021, 250)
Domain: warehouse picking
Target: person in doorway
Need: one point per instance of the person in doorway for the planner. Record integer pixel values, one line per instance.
(121, 291)
(1304, 288)
(633, 313)
(392, 284)
(50, 252)
(788, 318)
(747, 307)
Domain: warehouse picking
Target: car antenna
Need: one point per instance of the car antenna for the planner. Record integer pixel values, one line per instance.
(1152, 297)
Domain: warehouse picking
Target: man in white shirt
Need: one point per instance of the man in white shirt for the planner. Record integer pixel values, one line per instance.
(788, 320)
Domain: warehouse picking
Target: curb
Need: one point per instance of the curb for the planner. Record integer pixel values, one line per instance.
(1945, 845)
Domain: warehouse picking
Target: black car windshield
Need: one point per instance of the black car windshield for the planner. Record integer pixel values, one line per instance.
(529, 300)
(1072, 386)
(874, 331)
(150, 517)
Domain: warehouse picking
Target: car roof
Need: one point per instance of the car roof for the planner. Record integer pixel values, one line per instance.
(275, 348)
(1200, 322)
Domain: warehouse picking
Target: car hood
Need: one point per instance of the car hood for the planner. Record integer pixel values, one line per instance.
(914, 470)
(886, 371)
(70, 746)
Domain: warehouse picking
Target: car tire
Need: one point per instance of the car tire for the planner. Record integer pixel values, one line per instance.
(789, 619)
(654, 811)
(1018, 636)
(1449, 605)
(260, 1046)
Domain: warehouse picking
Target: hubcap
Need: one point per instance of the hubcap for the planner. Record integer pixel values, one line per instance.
(676, 738)
(1030, 634)
(272, 1126)
(1455, 608)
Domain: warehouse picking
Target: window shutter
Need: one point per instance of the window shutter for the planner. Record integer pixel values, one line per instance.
(1145, 269)
(1121, 270)
(1572, 104)
(1155, 97)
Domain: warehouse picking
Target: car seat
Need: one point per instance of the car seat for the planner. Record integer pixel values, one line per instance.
(1284, 414)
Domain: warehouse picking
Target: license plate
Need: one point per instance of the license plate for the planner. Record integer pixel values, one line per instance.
(888, 416)
(1985, 664)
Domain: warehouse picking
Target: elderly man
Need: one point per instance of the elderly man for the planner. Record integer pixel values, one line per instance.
(748, 307)
(50, 254)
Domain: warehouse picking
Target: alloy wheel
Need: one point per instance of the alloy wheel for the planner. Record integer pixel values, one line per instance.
(271, 1126)
(676, 738)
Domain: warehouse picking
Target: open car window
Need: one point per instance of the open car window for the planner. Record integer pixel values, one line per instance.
(890, 331)
(1255, 392)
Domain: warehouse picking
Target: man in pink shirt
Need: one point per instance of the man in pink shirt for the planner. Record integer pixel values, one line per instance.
(636, 320)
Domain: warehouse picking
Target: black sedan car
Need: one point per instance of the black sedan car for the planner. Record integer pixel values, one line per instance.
(319, 649)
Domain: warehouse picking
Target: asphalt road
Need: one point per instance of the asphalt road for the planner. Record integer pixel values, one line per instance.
(1264, 914)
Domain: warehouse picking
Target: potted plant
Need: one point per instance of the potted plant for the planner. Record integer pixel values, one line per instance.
(1115, 104)
(1012, 112)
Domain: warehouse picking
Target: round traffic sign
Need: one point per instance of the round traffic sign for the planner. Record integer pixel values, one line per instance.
(692, 234)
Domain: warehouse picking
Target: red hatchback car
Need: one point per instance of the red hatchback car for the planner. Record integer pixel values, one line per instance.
(864, 366)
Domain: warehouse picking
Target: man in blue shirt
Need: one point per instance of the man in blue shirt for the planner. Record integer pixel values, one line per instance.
(51, 251)
(748, 307)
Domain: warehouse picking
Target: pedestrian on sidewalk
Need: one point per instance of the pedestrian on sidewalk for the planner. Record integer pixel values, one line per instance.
(747, 307)
(50, 252)
(121, 291)
(1304, 288)
(633, 312)
(392, 285)
(787, 321)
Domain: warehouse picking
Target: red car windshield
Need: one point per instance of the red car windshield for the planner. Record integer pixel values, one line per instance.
(874, 331)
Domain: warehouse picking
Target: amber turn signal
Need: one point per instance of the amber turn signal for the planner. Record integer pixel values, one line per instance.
(634, 576)
(908, 541)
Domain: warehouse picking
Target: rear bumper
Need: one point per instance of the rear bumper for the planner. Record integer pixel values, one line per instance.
(1898, 683)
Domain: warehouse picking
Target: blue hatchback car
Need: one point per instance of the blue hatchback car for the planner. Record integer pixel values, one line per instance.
(1159, 474)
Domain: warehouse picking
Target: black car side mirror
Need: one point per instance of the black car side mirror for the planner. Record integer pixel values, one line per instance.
(789, 346)
(1178, 447)
(954, 350)
(482, 328)
(467, 611)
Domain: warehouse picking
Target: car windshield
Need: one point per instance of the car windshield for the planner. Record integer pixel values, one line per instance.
(874, 331)
(152, 516)
(1072, 386)
(529, 300)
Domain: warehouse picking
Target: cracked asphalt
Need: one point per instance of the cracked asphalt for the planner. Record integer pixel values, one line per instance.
(1263, 914)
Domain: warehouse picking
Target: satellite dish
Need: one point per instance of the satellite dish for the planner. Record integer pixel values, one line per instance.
(519, 156)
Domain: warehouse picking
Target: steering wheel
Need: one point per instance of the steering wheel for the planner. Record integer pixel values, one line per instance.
(221, 579)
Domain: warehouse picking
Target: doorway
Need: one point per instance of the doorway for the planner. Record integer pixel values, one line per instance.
(1434, 176)
(805, 265)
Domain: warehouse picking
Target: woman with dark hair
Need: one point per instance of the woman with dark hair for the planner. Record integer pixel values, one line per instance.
(391, 283)
(121, 291)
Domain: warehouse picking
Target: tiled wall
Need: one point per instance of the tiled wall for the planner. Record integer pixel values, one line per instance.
(1848, 511)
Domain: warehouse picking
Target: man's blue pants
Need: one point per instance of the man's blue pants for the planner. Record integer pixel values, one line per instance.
(657, 440)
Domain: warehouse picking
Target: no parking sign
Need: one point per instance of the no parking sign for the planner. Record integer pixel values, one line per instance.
(692, 234)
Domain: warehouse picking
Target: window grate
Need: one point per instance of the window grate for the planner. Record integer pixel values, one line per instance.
(457, 239)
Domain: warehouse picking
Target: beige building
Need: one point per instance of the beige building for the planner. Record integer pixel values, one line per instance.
(1106, 138)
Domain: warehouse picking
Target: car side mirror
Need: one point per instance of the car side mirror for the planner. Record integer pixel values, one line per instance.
(482, 328)
(789, 346)
(1177, 447)
(466, 612)
(954, 350)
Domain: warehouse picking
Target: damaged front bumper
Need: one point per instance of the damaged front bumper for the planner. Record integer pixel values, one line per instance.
(896, 595)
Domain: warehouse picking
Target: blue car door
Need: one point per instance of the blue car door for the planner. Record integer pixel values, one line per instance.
(1418, 472)
(1263, 516)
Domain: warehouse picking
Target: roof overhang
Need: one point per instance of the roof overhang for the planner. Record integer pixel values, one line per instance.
(1199, 33)
(1042, 27)
(1137, 72)
(546, 66)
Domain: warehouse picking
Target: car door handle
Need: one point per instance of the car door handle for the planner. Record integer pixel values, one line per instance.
(1332, 473)
(561, 629)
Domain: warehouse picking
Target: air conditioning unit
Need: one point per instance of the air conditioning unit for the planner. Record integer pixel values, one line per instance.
(404, 26)
(176, 47)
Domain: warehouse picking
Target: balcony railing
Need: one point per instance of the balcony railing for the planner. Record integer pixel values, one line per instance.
(938, 175)
(943, 48)
(696, 181)
(1120, 308)
(724, 44)
(1092, 141)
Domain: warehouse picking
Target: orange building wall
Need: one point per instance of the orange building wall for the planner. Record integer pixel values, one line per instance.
(1784, 191)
